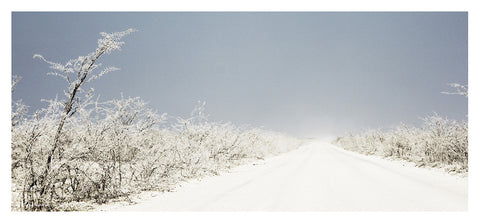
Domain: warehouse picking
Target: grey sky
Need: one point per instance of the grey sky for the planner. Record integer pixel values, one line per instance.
(301, 73)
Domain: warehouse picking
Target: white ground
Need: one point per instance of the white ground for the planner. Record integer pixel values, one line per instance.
(316, 177)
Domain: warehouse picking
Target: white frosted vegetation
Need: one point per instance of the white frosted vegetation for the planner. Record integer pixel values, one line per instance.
(460, 89)
(440, 142)
(121, 147)
(80, 150)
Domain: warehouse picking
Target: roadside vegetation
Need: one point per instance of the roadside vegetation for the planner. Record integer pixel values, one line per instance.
(440, 142)
(78, 150)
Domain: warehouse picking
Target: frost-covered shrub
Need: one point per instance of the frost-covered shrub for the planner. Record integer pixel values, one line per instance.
(48, 168)
(78, 150)
(439, 142)
(446, 141)
(119, 147)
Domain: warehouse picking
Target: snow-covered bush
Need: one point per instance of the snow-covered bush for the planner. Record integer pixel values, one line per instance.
(79, 150)
(41, 185)
(439, 142)
(120, 147)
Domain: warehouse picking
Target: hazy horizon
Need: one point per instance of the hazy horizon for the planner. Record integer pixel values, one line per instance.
(302, 73)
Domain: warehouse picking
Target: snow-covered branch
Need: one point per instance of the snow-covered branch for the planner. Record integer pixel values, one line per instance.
(460, 89)
(15, 80)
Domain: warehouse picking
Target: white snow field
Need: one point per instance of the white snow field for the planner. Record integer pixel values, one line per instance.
(316, 177)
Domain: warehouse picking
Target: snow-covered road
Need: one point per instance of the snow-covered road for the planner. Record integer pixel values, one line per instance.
(317, 177)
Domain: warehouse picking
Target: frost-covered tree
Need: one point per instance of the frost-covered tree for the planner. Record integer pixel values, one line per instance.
(77, 72)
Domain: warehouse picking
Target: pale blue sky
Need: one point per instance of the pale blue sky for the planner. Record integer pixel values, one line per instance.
(307, 74)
